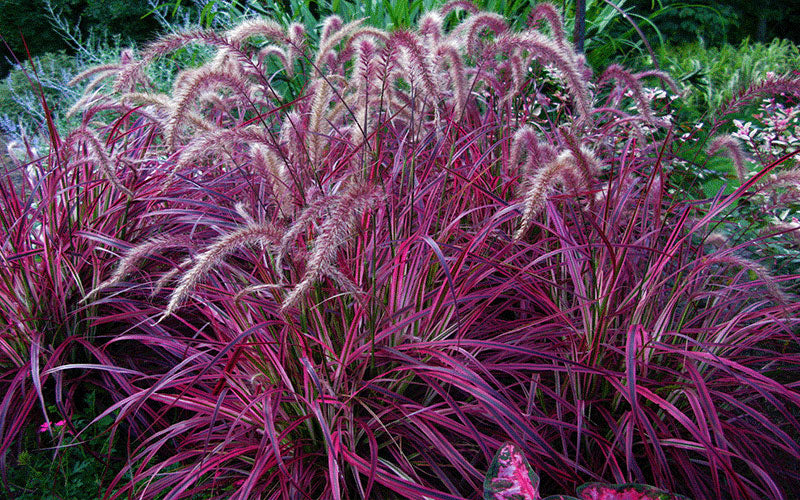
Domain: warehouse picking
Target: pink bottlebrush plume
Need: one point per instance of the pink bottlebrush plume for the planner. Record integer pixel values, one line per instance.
(129, 259)
(626, 80)
(89, 139)
(430, 26)
(299, 225)
(539, 186)
(157, 108)
(89, 102)
(421, 61)
(199, 81)
(510, 476)
(587, 166)
(330, 25)
(342, 218)
(790, 229)
(295, 45)
(364, 65)
(537, 153)
(273, 168)
(767, 87)
(728, 258)
(733, 150)
(514, 68)
(126, 56)
(477, 24)
(266, 28)
(278, 52)
(459, 4)
(784, 179)
(368, 94)
(547, 11)
(319, 122)
(661, 75)
(208, 143)
(448, 53)
(292, 134)
(133, 73)
(297, 36)
(546, 51)
(102, 71)
(364, 33)
(333, 33)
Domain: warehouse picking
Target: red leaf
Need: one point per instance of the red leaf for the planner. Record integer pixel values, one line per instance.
(510, 477)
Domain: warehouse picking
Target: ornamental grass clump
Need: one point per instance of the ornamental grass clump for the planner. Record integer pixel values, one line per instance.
(363, 268)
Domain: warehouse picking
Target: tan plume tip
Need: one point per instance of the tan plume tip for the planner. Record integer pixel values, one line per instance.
(257, 27)
(459, 4)
(547, 11)
(540, 185)
(564, 59)
(132, 256)
(90, 139)
(626, 80)
(733, 150)
(333, 33)
(761, 272)
(252, 233)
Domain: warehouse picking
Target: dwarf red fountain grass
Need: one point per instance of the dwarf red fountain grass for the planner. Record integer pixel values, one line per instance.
(440, 245)
(48, 266)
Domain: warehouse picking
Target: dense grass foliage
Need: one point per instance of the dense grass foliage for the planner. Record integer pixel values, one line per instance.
(354, 268)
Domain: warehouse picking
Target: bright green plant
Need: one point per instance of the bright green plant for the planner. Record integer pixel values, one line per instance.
(58, 464)
(710, 75)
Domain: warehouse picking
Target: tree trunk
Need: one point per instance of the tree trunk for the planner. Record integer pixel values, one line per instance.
(761, 31)
(580, 24)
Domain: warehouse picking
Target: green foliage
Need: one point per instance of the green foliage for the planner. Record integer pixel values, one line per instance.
(24, 18)
(688, 22)
(56, 464)
(20, 100)
(715, 22)
(712, 75)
